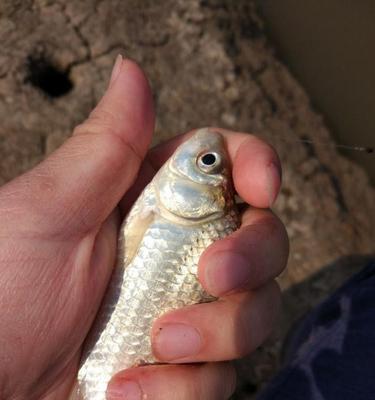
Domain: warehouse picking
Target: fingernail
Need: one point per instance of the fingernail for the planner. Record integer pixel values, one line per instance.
(174, 341)
(116, 69)
(273, 182)
(124, 390)
(225, 272)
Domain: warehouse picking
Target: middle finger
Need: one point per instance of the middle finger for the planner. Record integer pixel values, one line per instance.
(256, 253)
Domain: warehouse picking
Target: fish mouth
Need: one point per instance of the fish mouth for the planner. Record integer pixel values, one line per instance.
(175, 173)
(189, 221)
(204, 201)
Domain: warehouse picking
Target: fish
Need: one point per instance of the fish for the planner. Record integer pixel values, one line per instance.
(187, 206)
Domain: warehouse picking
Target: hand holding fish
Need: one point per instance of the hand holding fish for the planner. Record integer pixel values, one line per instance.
(59, 228)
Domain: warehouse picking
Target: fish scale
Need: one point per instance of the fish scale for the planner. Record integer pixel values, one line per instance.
(156, 273)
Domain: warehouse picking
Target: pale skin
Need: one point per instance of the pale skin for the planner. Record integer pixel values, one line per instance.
(59, 225)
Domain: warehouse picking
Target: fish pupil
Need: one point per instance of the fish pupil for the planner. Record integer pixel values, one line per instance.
(209, 159)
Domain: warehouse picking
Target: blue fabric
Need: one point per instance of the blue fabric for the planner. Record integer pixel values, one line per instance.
(332, 352)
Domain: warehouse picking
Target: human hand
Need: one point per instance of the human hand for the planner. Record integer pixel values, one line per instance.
(59, 225)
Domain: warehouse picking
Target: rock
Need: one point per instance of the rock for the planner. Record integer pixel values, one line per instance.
(209, 63)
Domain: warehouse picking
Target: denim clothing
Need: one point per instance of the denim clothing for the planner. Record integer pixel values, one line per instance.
(332, 351)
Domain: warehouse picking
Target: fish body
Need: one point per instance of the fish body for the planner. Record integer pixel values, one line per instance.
(186, 207)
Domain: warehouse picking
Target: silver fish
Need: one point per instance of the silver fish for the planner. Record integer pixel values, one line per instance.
(187, 206)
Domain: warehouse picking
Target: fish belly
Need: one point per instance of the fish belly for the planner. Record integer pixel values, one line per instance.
(162, 276)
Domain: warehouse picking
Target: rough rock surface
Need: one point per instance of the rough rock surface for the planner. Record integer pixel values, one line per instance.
(209, 63)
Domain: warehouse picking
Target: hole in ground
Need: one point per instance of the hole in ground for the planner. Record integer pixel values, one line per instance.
(42, 74)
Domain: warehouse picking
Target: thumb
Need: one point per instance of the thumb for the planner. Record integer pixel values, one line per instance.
(76, 188)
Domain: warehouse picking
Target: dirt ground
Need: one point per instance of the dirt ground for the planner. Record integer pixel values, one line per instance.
(209, 63)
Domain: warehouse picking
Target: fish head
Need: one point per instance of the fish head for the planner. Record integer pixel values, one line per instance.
(195, 183)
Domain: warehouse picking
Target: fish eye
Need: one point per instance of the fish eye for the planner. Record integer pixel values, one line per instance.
(209, 162)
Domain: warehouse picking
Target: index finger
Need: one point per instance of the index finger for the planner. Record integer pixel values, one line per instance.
(256, 165)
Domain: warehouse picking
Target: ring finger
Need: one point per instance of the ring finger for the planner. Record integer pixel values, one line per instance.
(222, 330)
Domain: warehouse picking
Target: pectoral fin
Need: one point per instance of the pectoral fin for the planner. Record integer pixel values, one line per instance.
(135, 226)
(133, 233)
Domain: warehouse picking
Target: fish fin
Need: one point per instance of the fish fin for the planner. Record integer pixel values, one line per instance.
(136, 224)
(133, 235)
(75, 394)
